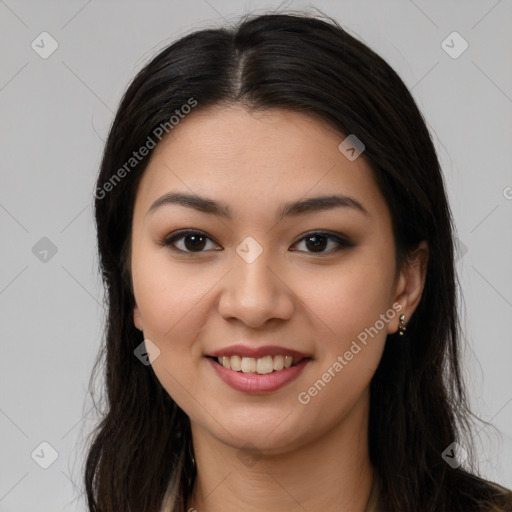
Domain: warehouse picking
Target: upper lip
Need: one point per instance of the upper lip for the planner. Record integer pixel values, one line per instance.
(267, 350)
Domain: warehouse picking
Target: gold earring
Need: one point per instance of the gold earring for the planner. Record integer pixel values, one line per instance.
(402, 327)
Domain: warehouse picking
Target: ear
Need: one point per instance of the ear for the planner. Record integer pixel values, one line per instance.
(137, 318)
(410, 284)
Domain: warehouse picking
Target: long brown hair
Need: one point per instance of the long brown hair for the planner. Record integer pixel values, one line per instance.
(141, 454)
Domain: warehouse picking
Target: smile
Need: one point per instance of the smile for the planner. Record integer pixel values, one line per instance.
(260, 365)
(258, 375)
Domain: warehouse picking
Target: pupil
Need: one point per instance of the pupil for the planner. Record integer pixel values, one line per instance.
(318, 245)
(198, 241)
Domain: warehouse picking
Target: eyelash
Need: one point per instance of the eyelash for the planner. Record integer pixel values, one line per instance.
(341, 241)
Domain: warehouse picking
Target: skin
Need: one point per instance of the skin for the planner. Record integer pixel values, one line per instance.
(301, 457)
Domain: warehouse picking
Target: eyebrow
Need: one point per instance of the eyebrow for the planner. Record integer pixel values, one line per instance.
(292, 209)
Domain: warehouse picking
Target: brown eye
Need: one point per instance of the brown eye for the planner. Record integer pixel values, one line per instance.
(194, 242)
(318, 242)
(188, 242)
(197, 242)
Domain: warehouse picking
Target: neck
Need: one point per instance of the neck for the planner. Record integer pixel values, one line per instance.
(333, 472)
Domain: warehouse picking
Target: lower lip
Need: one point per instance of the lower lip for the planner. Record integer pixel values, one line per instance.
(256, 383)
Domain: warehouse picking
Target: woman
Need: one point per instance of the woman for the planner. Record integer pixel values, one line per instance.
(276, 244)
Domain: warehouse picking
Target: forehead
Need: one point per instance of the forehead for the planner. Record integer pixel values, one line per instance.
(256, 160)
(227, 133)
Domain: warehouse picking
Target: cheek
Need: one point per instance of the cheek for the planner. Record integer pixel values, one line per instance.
(350, 297)
(170, 299)
(166, 293)
(352, 311)
(348, 354)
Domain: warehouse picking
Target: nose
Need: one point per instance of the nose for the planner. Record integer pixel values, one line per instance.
(255, 293)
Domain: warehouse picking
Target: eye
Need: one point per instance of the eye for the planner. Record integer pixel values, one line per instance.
(193, 241)
(188, 241)
(319, 240)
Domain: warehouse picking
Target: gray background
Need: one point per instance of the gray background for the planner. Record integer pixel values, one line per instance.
(55, 113)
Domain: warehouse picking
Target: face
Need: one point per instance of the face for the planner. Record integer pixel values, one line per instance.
(238, 272)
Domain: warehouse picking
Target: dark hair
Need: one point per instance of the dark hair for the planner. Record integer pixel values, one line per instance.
(142, 448)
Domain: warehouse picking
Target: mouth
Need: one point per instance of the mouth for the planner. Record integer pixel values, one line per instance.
(258, 375)
(266, 367)
(261, 365)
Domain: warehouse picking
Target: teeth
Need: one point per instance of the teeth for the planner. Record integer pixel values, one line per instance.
(235, 362)
(262, 365)
(248, 364)
(278, 362)
(265, 365)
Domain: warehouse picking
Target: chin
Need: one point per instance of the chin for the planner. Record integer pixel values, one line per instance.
(256, 434)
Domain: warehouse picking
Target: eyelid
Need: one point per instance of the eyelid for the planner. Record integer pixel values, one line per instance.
(342, 240)
(168, 240)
